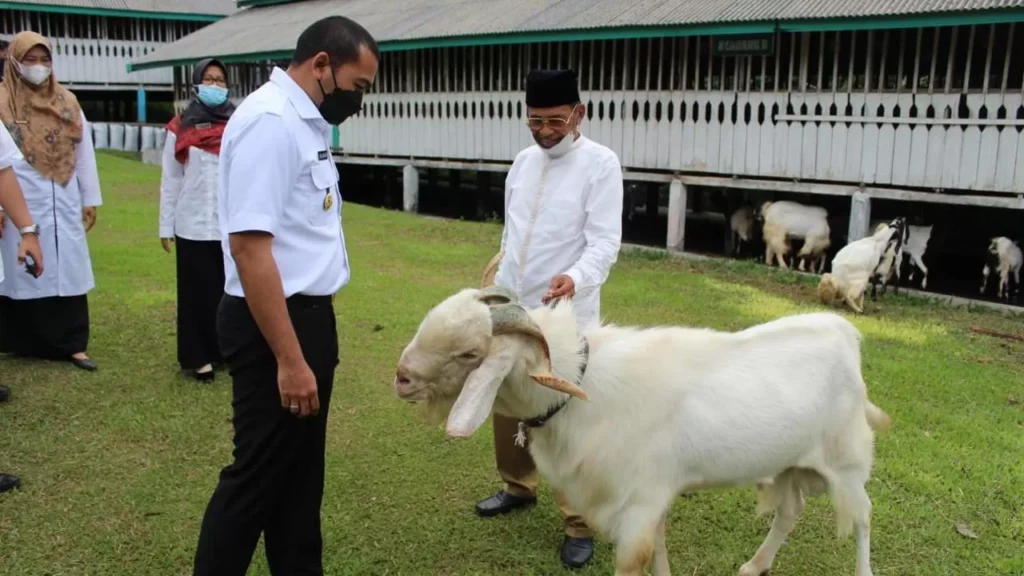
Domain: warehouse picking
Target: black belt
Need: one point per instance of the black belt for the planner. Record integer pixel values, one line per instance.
(302, 300)
(306, 300)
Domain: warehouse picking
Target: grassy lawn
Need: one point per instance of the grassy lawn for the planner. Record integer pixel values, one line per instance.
(117, 466)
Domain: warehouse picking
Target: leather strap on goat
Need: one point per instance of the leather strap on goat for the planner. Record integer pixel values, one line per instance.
(489, 271)
(513, 319)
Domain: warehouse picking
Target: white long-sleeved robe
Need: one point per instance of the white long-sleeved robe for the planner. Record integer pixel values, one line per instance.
(188, 194)
(67, 267)
(562, 216)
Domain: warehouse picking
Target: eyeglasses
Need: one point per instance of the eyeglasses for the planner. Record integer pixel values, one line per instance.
(536, 123)
(215, 80)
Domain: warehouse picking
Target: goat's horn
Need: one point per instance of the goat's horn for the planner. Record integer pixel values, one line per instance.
(513, 319)
(487, 279)
(494, 295)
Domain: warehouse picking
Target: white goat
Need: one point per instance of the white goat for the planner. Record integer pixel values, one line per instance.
(1004, 255)
(659, 412)
(853, 268)
(915, 247)
(784, 220)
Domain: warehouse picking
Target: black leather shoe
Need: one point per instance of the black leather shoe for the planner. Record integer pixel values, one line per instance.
(8, 482)
(84, 364)
(576, 552)
(5, 394)
(204, 376)
(502, 503)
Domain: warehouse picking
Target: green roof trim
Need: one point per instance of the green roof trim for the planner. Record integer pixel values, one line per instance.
(968, 18)
(250, 3)
(111, 13)
(630, 32)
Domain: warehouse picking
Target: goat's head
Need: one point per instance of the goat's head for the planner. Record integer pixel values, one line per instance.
(462, 352)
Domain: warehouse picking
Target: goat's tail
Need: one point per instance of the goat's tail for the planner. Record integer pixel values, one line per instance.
(877, 418)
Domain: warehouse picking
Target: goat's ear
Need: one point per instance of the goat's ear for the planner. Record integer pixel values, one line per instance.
(497, 295)
(477, 397)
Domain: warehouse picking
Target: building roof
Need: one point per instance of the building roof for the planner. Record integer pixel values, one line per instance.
(270, 31)
(162, 9)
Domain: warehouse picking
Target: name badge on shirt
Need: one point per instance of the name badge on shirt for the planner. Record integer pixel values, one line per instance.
(203, 126)
(322, 155)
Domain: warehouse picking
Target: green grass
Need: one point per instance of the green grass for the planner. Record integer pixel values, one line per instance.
(117, 466)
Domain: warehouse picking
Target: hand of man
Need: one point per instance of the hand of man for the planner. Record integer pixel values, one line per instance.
(561, 285)
(89, 217)
(166, 243)
(297, 385)
(30, 246)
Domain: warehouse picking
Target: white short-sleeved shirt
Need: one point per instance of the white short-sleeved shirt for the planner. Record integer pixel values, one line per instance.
(9, 153)
(277, 175)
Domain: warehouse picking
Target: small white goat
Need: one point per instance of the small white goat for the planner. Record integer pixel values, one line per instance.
(915, 247)
(784, 220)
(1004, 255)
(659, 412)
(852, 269)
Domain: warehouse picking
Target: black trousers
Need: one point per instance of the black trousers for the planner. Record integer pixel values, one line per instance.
(275, 484)
(200, 270)
(51, 328)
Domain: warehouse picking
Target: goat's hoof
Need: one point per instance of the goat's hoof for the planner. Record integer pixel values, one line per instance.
(750, 569)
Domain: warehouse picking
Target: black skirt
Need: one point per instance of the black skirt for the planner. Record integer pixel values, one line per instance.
(51, 328)
(200, 268)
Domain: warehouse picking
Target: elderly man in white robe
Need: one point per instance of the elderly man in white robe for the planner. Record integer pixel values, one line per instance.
(563, 229)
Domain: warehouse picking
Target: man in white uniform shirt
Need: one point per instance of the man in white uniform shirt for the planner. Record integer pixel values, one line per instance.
(13, 202)
(284, 259)
(563, 229)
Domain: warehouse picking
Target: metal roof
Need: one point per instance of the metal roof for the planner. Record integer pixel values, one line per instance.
(184, 7)
(272, 30)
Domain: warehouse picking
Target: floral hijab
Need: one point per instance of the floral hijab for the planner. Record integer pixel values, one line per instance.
(45, 121)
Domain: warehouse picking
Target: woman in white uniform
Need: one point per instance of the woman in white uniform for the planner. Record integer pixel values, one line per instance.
(48, 317)
(188, 216)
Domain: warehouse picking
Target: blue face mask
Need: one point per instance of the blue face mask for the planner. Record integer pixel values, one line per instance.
(212, 95)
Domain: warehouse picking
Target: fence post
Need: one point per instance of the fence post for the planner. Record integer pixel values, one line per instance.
(676, 216)
(410, 188)
(860, 216)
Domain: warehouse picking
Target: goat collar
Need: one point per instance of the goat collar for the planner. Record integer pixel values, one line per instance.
(539, 421)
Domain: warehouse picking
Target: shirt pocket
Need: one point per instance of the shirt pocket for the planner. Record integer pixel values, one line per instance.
(322, 201)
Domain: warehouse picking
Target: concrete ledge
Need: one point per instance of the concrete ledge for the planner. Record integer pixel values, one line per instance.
(955, 301)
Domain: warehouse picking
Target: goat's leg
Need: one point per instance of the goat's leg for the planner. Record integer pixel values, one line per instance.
(857, 504)
(924, 270)
(790, 503)
(984, 279)
(853, 303)
(635, 542)
(898, 264)
(661, 567)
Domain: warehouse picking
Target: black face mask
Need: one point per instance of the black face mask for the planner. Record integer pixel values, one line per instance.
(339, 105)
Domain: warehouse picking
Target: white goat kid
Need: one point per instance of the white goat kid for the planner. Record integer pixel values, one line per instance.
(659, 412)
(853, 268)
(1004, 256)
(784, 220)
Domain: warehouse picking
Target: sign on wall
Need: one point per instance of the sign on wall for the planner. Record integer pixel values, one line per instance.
(744, 45)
